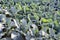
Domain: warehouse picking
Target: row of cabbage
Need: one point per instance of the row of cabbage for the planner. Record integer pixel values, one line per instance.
(30, 19)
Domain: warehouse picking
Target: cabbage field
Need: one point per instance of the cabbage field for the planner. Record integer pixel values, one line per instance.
(29, 19)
